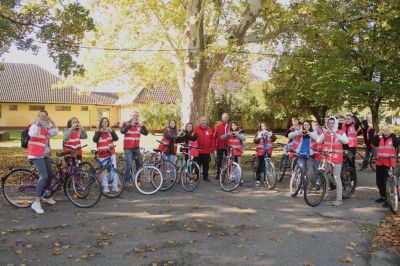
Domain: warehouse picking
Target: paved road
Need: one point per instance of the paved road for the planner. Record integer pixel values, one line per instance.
(206, 227)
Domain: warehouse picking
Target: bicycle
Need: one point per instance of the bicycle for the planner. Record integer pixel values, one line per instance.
(315, 186)
(348, 176)
(121, 162)
(189, 169)
(285, 162)
(371, 161)
(107, 170)
(298, 175)
(392, 186)
(168, 169)
(270, 178)
(231, 172)
(81, 187)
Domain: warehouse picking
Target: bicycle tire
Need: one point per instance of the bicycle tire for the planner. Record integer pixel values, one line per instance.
(318, 183)
(282, 167)
(80, 186)
(106, 173)
(88, 167)
(372, 162)
(296, 181)
(270, 179)
(20, 175)
(169, 179)
(349, 182)
(146, 176)
(392, 191)
(190, 175)
(225, 180)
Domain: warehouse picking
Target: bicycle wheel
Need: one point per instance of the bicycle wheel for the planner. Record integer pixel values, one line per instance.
(19, 187)
(296, 181)
(270, 178)
(168, 171)
(121, 165)
(392, 192)
(190, 175)
(83, 189)
(372, 162)
(230, 176)
(349, 182)
(148, 179)
(106, 177)
(254, 166)
(282, 167)
(315, 189)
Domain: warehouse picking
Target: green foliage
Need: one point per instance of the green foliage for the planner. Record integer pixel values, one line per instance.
(157, 116)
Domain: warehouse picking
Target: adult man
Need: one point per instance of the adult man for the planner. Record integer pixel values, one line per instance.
(205, 140)
(221, 129)
(132, 130)
(333, 140)
(350, 127)
(368, 134)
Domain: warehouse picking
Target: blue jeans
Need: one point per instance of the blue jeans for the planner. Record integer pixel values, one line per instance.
(315, 165)
(130, 155)
(307, 164)
(43, 165)
(170, 158)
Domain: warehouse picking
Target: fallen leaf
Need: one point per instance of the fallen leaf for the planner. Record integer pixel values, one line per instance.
(28, 245)
(347, 259)
(191, 229)
(57, 252)
(18, 251)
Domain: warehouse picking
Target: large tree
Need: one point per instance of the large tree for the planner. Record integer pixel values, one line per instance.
(60, 25)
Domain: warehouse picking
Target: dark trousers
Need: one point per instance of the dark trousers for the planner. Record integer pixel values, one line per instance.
(220, 158)
(352, 157)
(204, 161)
(261, 166)
(381, 177)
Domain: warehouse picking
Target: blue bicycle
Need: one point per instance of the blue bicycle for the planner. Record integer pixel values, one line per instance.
(112, 181)
(270, 177)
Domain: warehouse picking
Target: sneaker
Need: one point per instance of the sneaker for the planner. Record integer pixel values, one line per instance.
(380, 200)
(241, 182)
(326, 195)
(115, 189)
(50, 201)
(301, 191)
(257, 183)
(106, 189)
(37, 207)
(385, 205)
(337, 203)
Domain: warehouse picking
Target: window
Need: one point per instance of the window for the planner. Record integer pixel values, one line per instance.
(63, 108)
(36, 107)
(13, 107)
(84, 108)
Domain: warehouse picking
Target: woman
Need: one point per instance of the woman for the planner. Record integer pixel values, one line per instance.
(189, 137)
(303, 138)
(105, 138)
(170, 140)
(263, 140)
(236, 139)
(72, 138)
(39, 150)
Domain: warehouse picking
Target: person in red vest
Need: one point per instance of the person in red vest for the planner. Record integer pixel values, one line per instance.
(333, 140)
(205, 140)
(72, 137)
(263, 140)
(350, 128)
(221, 144)
(236, 139)
(132, 129)
(368, 134)
(386, 143)
(189, 138)
(292, 144)
(317, 147)
(105, 138)
(39, 151)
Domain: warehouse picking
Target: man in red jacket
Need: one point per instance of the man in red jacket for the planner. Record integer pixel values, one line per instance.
(205, 141)
(221, 128)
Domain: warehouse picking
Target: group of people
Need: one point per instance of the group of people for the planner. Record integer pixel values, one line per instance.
(307, 141)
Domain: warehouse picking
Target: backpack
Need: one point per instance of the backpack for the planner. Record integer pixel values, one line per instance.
(25, 137)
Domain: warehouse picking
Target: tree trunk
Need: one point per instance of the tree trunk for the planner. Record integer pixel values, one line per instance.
(375, 115)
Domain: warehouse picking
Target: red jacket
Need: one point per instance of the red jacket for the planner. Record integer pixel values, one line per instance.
(205, 139)
(221, 129)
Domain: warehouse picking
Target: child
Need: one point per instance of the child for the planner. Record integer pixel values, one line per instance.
(72, 137)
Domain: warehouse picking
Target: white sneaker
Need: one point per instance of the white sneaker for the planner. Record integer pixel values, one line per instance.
(115, 189)
(257, 183)
(337, 203)
(37, 207)
(50, 201)
(106, 189)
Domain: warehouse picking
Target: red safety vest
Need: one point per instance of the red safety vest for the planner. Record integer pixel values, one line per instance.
(386, 149)
(237, 144)
(104, 144)
(37, 144)
(332, 144)
(132, 137)
(260, 146)
(164, 148)
(317, 148)
(351, 135)
(194, 152)
(74, 142)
